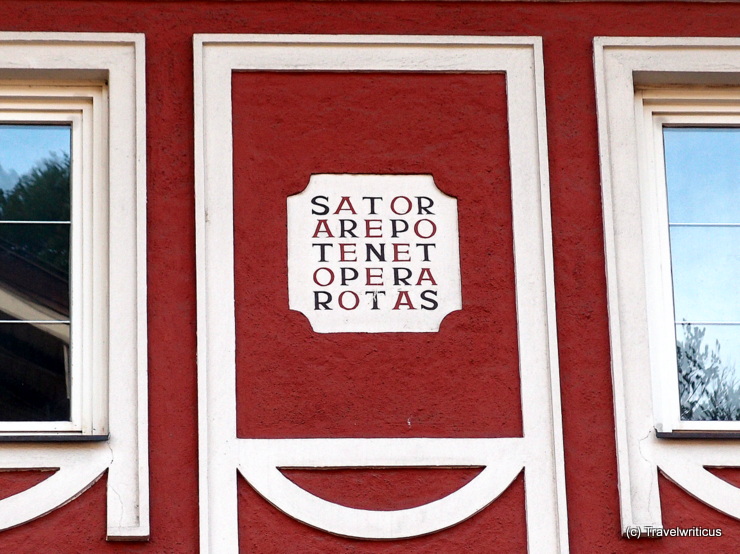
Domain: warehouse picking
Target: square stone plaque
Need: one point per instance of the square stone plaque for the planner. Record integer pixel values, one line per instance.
(373, 254)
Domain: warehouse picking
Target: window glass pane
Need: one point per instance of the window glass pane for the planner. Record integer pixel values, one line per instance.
(34, 172)
(703, 180)
(708, 360)
(34, 372)
(34, 270)
(706, 273)
(703, 174)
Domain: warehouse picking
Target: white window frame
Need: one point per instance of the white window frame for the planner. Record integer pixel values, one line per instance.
(630, 74)
(83, 108)
(654, 110)
(103, 74)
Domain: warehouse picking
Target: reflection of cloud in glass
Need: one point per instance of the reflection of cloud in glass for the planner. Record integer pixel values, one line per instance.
(703, 174)
(22, 146)
(706, 269)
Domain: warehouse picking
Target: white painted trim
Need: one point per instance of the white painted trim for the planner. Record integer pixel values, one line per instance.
(79, 467)
(636, 291)
(502, 460)
(539, 451)
(114, 63)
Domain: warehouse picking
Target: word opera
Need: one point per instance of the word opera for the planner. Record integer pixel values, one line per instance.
(373, 254)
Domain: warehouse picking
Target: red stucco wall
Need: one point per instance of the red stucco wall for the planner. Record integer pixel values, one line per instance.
(457, 102)
(292, 382)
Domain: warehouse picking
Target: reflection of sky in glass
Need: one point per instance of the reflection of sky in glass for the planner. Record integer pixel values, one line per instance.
(706, 273)
(703, 174)
(703, 180)
(21, 146)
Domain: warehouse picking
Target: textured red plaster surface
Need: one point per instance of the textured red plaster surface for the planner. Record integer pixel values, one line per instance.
(729, 474)
(13, 482)
(387, 489)
(568, 30)
(292, 382)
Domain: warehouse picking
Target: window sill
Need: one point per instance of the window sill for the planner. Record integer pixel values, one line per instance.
(53, 437)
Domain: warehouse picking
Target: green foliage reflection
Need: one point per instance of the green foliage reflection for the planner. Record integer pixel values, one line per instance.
(42, 194)
(708, 389)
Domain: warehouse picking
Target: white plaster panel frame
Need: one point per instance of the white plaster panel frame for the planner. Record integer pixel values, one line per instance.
(622, 64)
(539, 451)
(60, 59)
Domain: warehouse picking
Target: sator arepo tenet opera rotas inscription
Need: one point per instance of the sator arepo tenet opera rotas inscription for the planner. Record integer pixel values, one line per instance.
(373, 253)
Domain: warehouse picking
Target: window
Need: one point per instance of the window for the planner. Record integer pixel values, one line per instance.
(692, 155)
(49, 319)
(73, 351)
(669, 118)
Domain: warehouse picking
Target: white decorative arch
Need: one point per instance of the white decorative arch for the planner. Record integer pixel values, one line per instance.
(78, 467)
(539, 452)
(502, 461)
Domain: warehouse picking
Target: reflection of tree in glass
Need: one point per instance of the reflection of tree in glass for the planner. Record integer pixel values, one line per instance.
(42, 194)
(708, 389)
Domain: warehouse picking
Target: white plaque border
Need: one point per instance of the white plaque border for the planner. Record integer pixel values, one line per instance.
(446, 264)
(539, 451)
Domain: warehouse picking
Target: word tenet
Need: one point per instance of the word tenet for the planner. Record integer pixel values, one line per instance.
(373, 253)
